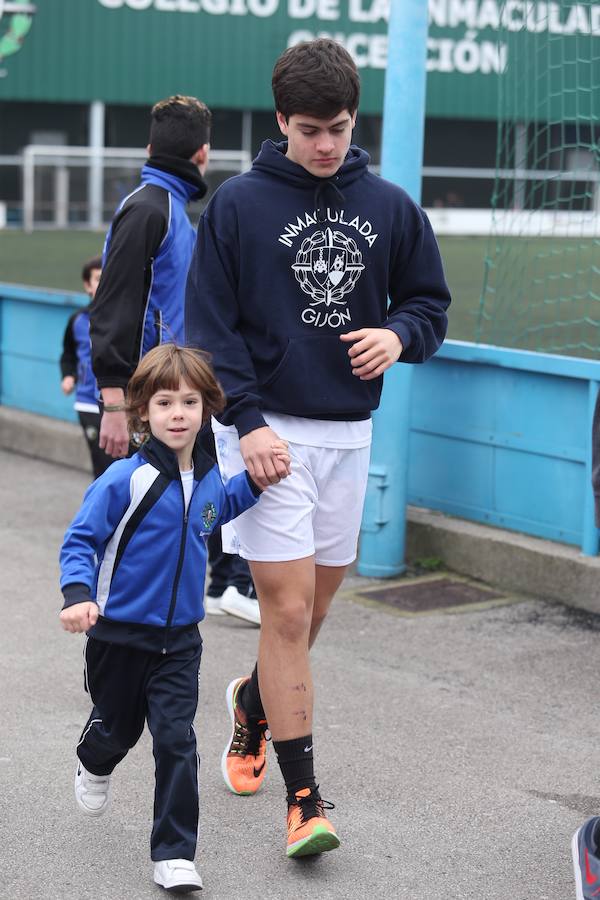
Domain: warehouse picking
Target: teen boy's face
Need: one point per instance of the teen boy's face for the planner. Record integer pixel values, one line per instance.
(318, 145)
(91, 286)
(175, 418)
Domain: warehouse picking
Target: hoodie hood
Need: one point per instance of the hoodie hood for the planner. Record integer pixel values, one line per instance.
(272, 159)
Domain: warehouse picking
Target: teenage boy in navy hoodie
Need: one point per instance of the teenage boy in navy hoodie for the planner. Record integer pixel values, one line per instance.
(140, 299)
(289, 286)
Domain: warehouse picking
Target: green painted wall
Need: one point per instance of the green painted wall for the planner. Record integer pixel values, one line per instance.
(135, 51)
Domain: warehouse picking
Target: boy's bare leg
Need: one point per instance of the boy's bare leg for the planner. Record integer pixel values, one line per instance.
(286, 592)
(327, 581)
(295, 597)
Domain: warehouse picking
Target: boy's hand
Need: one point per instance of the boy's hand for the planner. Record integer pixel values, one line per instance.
(67, 384)
(262, 459)
(79, 617)
(374, 351)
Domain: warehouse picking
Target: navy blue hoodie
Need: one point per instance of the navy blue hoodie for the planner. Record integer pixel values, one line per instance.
(285, 262)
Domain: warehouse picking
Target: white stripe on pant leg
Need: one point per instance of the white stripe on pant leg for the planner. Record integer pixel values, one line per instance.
(83, 736)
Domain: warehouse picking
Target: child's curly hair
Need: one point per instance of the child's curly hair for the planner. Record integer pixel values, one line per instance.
(164, 368)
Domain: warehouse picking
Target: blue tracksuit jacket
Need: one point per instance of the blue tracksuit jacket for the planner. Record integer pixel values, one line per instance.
(134, 550)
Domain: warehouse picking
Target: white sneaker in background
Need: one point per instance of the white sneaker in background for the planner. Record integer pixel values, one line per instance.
(237, 604)
(91, 791)
(212, 605)
(177, 875)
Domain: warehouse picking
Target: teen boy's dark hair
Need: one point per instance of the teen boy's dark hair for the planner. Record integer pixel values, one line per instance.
(180, 126)
(315, 78)
(163, 369)
(94, 263)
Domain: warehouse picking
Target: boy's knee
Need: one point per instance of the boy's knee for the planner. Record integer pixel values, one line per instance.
(290, 621)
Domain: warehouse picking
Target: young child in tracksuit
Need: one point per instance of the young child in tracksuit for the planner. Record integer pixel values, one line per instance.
(132, 574)
(76, 369)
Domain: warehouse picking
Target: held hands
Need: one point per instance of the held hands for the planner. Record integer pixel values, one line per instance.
(266, 456)
(67, 384)
(79, 617)
(373, 351)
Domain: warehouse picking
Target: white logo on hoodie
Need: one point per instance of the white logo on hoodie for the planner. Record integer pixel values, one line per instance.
(327, 267)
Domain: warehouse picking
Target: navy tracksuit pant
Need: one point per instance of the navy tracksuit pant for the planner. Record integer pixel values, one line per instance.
(129, 687)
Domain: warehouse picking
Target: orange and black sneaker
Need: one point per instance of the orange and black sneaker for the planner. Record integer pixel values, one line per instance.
(244, 759)
(309, 829)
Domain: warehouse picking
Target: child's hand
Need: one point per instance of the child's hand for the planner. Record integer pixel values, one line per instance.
(67, 384)
(79, 617)
(280, 450)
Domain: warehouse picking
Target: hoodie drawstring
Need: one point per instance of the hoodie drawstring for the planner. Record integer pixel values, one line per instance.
(320, 191)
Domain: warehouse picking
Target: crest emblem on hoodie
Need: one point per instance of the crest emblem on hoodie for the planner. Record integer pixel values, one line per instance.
(327, 267)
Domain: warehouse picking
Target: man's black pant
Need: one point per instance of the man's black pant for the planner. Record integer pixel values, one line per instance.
(90, 422)
(128, 687)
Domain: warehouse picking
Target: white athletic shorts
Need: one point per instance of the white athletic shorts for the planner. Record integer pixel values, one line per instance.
(317, 509)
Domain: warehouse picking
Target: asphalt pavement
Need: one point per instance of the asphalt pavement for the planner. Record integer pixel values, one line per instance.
(460, 748)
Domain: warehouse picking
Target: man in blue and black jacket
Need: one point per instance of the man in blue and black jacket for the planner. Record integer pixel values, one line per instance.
(140, 299)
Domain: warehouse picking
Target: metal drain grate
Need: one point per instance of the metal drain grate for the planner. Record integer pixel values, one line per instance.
(425, 596)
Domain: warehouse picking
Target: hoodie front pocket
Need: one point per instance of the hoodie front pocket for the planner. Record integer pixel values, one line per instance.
(314, 378)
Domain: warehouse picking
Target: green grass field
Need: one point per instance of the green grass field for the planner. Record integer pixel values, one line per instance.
(53, 259)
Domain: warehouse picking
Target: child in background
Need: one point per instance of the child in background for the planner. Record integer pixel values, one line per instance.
(132, 574)
(76, 368)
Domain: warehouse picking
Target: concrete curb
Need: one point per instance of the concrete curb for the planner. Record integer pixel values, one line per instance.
(44, 438)
(508, 560)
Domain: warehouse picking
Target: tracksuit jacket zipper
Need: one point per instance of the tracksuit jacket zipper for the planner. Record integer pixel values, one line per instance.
(179, 565)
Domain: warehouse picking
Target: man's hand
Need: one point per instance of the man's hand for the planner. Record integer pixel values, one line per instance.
(374, 351)
(114, 437)
(67, 384)
(262, 451)
(79, 617)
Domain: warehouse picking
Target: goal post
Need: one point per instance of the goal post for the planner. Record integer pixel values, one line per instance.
(66, 186)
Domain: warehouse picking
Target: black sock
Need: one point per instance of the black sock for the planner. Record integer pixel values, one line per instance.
(295, 760)
(249, 697)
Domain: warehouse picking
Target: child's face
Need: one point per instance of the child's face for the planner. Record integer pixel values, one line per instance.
(91, 286)
(319, 145)
(175, 418)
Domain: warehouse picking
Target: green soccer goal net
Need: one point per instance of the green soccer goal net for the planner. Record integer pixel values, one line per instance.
(541, 286)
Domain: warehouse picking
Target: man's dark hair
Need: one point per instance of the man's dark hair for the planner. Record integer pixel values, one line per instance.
(180, 126)
(94, 263)
(315, 78)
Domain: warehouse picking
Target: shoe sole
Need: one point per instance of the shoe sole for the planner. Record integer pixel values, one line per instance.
(320, 841)
(179, 888)
(240, 614)
(576, 866)
(94, 813)
(214, 612)
(224, 772)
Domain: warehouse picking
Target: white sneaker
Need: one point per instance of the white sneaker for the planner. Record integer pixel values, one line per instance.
(236, 604)
(91, 791)
(177, 875)
(212, 605)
